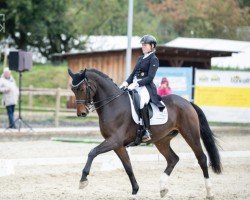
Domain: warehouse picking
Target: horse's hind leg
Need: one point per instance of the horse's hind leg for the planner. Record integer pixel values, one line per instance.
(192, 137)
(124, 157)
(172, 159)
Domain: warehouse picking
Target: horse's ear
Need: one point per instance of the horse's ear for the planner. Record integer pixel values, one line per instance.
(71, 73)
(83, 74)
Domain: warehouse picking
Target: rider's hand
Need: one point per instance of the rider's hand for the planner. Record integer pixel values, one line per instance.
(123, 85)
(132, 86)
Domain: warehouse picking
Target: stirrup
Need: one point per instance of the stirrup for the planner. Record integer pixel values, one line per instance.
(146, 137)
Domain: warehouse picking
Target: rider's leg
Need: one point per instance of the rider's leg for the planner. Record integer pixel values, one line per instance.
(143, 92)
(146, 121)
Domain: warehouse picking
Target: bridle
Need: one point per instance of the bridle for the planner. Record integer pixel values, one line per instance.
(88, 90)
(89, 103)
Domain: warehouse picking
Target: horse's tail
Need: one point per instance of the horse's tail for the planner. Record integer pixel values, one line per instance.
(209, 141)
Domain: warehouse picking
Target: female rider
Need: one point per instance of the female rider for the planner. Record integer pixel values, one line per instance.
(141, 79)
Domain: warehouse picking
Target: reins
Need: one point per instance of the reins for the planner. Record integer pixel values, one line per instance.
(90, 101)
(112, 98)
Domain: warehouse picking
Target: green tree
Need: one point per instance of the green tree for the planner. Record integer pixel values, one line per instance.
(244, 3)
(145, 22)
(204, 18)
(55, 26)
(46, 25)
(104, 17)
(109, 17)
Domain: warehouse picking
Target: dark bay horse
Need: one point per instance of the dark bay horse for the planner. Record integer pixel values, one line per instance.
(92, 87)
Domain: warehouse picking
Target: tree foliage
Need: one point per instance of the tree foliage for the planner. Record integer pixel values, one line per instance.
(109, 17)
(55, 26)
(46, 25)
(204, 18)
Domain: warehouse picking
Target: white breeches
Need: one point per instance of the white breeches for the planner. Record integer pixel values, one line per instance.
(143, 93)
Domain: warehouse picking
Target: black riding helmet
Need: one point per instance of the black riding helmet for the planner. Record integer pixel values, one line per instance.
(148, 39)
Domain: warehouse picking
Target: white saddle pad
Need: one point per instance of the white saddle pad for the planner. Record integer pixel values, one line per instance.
(158, 116)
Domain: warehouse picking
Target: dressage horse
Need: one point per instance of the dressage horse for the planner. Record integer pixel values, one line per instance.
(93, 89)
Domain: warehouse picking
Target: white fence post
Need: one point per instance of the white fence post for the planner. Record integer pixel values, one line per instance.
(31, 97)
(57, 110)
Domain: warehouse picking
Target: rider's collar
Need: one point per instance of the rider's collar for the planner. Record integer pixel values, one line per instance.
(147, 54)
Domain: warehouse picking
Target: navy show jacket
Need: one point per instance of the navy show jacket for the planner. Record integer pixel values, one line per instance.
(145, 69)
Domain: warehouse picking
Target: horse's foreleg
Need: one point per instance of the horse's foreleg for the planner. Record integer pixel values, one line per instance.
(172, 159)
(105, 146)
(124, 157)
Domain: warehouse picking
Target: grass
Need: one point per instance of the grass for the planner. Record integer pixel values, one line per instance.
(229, 68)
(44, 76)
(231, 124)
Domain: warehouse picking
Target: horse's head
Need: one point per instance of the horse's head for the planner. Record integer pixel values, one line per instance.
(84, 90)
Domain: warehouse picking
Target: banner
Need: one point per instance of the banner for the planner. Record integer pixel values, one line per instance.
(179, 78)
(225, 95)
(222, 88)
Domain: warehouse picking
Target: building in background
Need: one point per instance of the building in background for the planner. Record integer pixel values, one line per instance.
(238, 59)
(108, 54)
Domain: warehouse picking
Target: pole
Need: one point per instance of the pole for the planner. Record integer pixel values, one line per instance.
(20, 101)
(129, 35)
(5, 55)
(20, 120)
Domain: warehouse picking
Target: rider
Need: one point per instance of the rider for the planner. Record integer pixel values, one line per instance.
(141, 79)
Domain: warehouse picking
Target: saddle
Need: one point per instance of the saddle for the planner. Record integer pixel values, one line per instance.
(136, 102)
(156, 116)
(140, 131)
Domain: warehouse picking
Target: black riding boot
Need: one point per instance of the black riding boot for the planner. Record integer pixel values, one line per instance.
(145, 118)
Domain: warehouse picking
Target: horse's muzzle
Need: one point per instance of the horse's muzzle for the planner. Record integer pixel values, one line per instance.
(83, 114)
(82, 111)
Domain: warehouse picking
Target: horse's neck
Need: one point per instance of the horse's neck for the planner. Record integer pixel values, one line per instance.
(105, 87)
(106, 95)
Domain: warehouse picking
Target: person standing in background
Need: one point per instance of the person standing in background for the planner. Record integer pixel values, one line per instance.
(164, 89)
(10, 93)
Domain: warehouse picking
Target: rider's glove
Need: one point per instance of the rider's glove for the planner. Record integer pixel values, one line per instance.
(123, 85)
(132, 86)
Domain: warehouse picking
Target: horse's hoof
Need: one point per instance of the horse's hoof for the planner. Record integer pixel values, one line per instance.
(210, 198)
(163, 192)
(83, 184)
(133, 197)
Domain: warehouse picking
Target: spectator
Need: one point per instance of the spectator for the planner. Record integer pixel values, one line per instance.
(164, 89)
(10, 94)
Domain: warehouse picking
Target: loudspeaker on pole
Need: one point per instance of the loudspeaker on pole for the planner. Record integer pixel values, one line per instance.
(20, 61)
